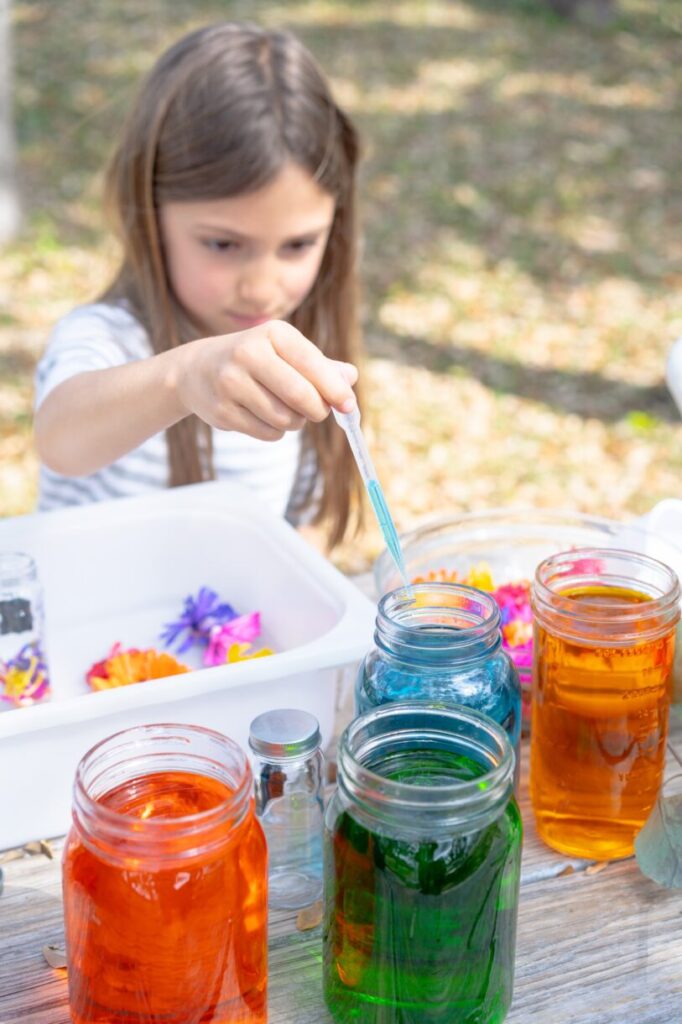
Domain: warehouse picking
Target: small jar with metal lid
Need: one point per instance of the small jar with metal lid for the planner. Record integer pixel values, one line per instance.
(288, 773)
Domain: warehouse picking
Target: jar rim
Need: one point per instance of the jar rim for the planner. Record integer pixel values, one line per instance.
(432, 725)
(446, 617)
(15, 566)
(117, 824)
(554, 575)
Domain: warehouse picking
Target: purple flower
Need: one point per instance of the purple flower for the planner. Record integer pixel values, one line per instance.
(199, 616)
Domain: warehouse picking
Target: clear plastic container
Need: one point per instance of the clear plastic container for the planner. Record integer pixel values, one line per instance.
(289, 774)
(24, 676)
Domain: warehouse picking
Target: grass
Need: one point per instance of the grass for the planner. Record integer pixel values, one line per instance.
(521, 206)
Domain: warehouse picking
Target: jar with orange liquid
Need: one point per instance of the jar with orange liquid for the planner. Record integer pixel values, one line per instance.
(602, 666)
(165, 882)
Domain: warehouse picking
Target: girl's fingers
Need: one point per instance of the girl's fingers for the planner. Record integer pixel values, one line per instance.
(266, 406)
(246, 423)
(292, 388)
(349, 371)
(280, 377)
(323, 373)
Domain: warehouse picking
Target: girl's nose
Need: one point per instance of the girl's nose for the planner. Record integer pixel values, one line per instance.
(256, 287)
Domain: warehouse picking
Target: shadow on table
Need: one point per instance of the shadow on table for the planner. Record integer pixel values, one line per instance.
(30, 990)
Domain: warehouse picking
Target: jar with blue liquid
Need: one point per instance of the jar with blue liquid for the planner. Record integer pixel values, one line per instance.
(441, 642)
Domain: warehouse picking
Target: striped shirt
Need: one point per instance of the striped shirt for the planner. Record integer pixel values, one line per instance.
(100, 336)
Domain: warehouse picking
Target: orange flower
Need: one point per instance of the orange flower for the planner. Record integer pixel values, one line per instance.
(123, 667)
(438, 576)
(477, 576)
(518, 633)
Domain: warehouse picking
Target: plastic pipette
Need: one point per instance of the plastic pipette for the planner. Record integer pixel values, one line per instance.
(350, 424)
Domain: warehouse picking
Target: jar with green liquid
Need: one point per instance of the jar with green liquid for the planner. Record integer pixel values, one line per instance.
(422, 863)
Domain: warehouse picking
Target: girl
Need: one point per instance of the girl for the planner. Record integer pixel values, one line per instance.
(233, 186)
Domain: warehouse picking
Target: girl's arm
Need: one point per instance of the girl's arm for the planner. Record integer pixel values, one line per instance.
(261, 382)
(95, 417)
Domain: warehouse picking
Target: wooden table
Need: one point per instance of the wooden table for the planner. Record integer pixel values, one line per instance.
(596, 944)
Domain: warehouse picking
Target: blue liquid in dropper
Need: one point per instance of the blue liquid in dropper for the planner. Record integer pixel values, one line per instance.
(388, 529)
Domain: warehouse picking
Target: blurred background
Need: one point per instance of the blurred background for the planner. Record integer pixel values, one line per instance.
(522, 211)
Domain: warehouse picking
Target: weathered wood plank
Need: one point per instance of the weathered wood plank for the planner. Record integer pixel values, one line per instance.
(599, 949)
(602, 948)
(30, 918)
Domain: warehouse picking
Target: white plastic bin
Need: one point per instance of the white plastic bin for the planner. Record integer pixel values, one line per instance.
(118, 571)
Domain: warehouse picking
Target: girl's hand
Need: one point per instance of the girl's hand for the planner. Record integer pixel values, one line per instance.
(263, 381)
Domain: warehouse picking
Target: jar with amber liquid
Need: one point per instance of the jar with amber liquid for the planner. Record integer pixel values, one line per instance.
(165, 882)
(602, 667)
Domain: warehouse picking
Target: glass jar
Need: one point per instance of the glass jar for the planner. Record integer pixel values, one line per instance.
(602, 668)
(422, 865)
(24, 677)
(165, 882)
(441, 641)
(288, 773)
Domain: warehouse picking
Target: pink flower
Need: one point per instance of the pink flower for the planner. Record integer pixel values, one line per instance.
(583, 566)
(241, 630)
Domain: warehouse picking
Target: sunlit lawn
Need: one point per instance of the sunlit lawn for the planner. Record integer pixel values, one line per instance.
(522, 261)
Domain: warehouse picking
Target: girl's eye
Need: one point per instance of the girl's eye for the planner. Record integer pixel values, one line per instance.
(220, 244)
(300, 245)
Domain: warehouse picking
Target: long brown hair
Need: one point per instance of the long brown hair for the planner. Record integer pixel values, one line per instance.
(219, 115)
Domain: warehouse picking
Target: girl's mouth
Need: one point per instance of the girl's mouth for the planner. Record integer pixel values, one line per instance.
(249, 320)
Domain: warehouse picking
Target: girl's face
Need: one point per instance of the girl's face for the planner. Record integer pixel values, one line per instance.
(235, 263)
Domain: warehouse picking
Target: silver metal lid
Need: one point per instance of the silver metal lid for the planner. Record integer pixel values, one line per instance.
(284, 733)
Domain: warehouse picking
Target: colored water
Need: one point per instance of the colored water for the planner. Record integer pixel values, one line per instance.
(422, 931)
